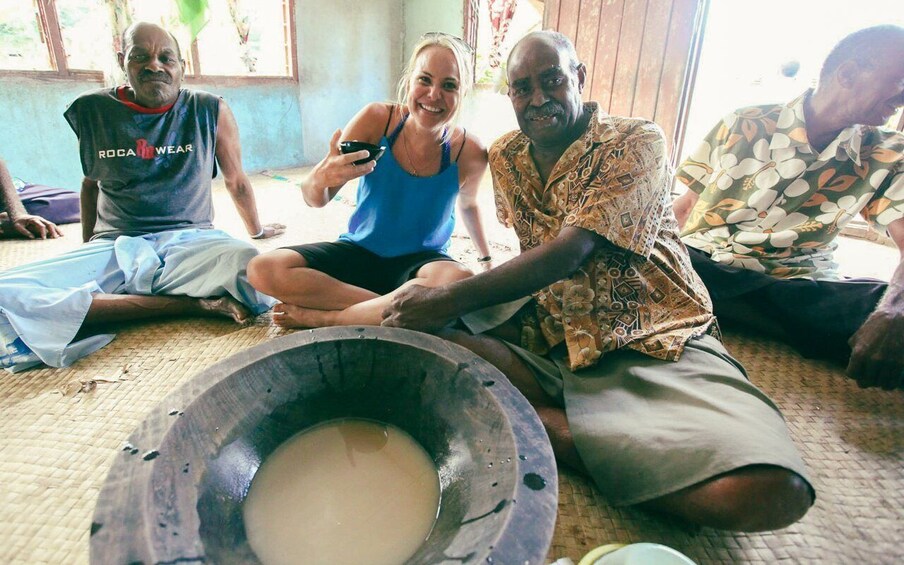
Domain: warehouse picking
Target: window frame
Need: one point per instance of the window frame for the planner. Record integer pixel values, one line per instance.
(49, 27)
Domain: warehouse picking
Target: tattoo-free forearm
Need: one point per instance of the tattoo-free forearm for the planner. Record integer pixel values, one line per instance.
(88, 204)
(474, 224)
(314, 188)
(9, 198)
(527, 273)
(242, 195)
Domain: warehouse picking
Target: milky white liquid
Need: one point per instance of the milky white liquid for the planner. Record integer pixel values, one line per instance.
(347, 491)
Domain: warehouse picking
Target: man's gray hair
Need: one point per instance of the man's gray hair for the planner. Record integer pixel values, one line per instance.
(126, 36)
(559, 40)
(863, 46)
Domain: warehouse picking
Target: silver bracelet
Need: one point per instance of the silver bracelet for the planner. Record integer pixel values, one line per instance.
(258, 235)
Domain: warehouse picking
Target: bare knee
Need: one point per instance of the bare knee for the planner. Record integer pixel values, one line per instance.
(258, 271)
(266, 271)
(750, 499)
(439, 273)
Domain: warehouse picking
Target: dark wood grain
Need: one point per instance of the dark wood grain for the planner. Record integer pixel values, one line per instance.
(174, 494)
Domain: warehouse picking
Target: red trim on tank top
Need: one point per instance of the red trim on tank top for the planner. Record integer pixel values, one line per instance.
(124, 98)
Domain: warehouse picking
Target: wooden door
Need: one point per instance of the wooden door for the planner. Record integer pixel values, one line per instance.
(640, 55)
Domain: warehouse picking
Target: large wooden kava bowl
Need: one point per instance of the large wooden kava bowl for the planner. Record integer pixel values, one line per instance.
(174, 493)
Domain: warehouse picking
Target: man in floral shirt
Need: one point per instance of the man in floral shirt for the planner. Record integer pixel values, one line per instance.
(772, 186)
(614, 348)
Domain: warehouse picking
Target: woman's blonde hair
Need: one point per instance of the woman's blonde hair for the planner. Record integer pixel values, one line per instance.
(462, 53)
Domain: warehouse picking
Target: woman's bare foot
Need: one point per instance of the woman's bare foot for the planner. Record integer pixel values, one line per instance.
(226, 306)
(290, 316)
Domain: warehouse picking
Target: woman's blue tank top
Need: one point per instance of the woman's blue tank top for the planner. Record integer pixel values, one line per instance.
(398, 213)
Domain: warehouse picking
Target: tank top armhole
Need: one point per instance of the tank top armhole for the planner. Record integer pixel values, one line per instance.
(464, 140)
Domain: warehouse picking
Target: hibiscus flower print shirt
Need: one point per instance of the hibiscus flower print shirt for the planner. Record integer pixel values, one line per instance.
(771, 203)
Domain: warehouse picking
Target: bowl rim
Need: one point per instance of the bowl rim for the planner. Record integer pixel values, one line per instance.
(123, 496)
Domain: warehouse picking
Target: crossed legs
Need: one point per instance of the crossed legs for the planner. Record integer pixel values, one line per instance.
(750, 498)
(311, 299)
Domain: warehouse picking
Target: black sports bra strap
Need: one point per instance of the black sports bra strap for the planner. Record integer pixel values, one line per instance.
(398, 129)
(464, 139)
(388, 120)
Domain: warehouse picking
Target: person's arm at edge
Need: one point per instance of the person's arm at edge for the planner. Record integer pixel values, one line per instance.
(328, 176)
(429, 309)
(695, 184)
(229, 157)
(88, 207)
(473, 165)
(20, 221)
(9, 199)
(877, 349)
(683, 205)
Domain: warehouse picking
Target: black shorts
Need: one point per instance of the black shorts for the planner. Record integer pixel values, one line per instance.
(354, 265)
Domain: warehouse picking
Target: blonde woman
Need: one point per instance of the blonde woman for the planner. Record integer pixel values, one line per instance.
(401, 227)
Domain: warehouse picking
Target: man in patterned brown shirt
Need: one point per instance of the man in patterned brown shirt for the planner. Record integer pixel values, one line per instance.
(615, 348)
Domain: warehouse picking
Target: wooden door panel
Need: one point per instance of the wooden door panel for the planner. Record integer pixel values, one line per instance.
(569, 14)
(677, 83)
(586, 35)
(626, 65)
(640, 54)
(652, 55)
(601, 71)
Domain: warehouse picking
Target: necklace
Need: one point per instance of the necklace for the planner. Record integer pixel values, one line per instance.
(408, 154)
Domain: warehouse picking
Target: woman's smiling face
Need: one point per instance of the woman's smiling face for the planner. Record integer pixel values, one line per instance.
(434, 89)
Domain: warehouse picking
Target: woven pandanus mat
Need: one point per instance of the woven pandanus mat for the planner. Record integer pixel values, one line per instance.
(15, 252)
(851, 439)
(60, 428)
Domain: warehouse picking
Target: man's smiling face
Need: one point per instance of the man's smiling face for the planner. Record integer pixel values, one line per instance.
(545, 90)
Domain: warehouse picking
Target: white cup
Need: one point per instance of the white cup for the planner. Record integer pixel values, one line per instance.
(635, 554)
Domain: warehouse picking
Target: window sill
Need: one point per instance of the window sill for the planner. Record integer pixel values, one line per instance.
(53, 75)
(97, 76)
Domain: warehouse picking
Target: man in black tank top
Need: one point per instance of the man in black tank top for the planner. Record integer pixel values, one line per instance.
(149, 151)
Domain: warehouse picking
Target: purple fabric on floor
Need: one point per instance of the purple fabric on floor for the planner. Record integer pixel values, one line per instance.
(58, 205)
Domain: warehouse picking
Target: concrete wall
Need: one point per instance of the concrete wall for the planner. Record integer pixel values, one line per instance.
(422, 16)
(36, 142)
(349, 54)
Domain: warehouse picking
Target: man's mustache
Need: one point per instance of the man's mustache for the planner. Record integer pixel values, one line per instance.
(151, 75)
(547, 110)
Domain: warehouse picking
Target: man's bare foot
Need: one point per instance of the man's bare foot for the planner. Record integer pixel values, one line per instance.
(226, 306)
(289, 316)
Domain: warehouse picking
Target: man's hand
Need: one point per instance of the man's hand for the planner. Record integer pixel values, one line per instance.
(877, 351)
(416, 308)
(30, 226)
(271, 230)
